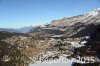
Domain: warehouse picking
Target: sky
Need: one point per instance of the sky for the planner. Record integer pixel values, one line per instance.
(19, 13)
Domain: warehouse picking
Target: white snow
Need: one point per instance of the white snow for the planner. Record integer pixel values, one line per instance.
(87, 37)
(94, 12)
(76, 44)
(83, 42)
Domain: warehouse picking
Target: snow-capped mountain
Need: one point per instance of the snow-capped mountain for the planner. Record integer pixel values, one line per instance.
(91, 17)
(94, 13)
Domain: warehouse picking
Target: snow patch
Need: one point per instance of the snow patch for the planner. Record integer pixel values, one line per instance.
(94, 12)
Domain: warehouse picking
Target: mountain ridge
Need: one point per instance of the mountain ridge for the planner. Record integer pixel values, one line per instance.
(94, 14)
(24, 29)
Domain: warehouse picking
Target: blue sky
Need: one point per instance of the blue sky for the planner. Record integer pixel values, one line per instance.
(19, 13)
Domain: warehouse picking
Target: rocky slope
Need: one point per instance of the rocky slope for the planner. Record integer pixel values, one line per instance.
(90, 52)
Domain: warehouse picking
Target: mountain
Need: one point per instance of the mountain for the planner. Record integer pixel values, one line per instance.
(91, 17)
(25, 29)
(77, 26)
(19, 30)
(94, 13)
(9, 30)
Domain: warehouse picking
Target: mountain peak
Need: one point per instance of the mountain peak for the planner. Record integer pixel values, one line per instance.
(94, 13)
